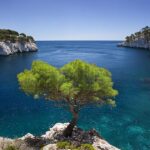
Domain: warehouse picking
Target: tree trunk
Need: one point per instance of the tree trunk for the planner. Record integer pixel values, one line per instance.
(72, 124)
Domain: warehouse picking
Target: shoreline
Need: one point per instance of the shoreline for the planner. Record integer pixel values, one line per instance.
(134, 45)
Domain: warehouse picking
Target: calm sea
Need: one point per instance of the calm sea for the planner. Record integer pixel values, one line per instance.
(127, 126)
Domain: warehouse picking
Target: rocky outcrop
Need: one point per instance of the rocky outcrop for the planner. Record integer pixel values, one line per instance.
(7, 48)
(140, 39)
(50, 138)
(136, 44)
(4, 142)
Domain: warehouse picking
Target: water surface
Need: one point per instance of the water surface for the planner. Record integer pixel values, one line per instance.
(127, 126)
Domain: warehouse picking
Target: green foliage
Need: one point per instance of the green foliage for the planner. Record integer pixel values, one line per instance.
(22, 34)
(144, 34)
(13, 36)
(10, 147)
(30, 38)
(8, 32)
(68, 145)
(64, 144)
(88, 83)
(76, 83)
(21, 39)
(87, 147)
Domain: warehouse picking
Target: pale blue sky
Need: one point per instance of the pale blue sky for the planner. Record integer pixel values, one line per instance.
(75, 19)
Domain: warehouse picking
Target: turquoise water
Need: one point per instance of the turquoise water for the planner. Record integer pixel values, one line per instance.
(127, 126)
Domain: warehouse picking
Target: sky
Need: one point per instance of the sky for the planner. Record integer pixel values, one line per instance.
(75, 19)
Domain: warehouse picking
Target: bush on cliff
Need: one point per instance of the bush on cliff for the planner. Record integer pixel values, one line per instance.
(13, 36)
(10, 147)
(68, 145)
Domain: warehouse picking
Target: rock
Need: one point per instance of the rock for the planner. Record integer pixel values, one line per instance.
(22, 145)
(7, 48)
(50, 138)
(36, 142)
(100, 144)
(28, 135)
(50, 147)
(4, 142)
(53, 132)
(136, 44)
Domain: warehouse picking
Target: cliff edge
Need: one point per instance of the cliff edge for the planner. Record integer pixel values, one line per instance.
(49, 141)
(140, 39)
(12, 42)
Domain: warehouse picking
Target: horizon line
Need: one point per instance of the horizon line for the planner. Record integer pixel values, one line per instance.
(77, 40)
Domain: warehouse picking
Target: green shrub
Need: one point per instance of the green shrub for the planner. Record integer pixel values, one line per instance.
(68, 145)
(22, 34)
(13, 36)
(10, 147)
(87, 147)
(29, 38)
(63, 144)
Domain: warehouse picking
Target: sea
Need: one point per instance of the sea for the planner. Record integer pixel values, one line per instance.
(127, 126)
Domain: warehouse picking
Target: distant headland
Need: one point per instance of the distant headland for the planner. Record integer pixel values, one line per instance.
(12, 42)
(140, 39)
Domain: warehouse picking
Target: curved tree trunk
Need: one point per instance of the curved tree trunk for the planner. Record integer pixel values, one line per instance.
(69, 129)
(72, 124)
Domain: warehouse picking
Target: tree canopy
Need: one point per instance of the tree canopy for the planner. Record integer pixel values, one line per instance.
(77, 80)
(75, 84)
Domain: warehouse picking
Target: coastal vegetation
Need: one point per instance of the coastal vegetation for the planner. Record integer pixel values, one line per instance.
(72, 86)
(14, 36)
(68, 145)
(143, 35)
(11, 147)
(140, 39)
(53, 139)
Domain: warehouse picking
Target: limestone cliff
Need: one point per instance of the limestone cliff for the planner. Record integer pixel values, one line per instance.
(12, 42)
(140, 39)
(7, 48)
(136, 44)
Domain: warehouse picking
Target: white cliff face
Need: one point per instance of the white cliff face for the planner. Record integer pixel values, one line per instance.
(57, 128)
(7, 48)
(136, 44)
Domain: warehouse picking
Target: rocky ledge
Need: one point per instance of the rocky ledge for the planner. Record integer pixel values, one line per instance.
(135, 44)
(140, 39)
(49, 140)
(7, 47)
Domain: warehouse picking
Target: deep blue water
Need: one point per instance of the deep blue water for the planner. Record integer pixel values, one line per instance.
(127, 126)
